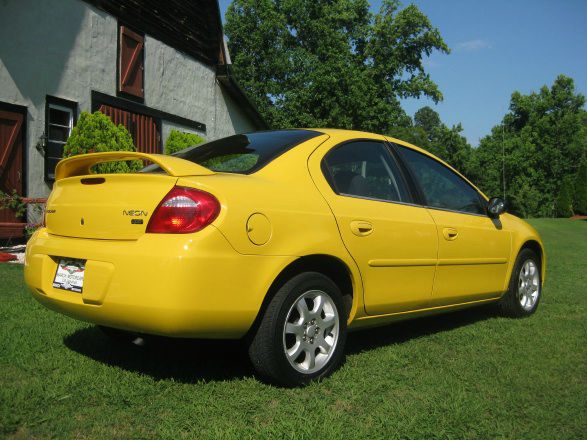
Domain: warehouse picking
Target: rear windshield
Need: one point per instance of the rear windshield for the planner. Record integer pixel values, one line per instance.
(242, 153)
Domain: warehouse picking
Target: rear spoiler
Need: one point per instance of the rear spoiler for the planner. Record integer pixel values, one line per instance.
(80, 165)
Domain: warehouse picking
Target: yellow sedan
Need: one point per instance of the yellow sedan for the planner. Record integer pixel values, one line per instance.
(283, 238)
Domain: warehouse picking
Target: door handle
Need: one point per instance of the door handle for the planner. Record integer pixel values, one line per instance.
(450, 233)
(361, 228)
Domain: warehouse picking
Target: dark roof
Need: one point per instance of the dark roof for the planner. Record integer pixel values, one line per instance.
(190, 26)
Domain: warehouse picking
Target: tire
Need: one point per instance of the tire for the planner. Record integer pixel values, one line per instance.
(122, 336)
(294, 345)
(525, 287)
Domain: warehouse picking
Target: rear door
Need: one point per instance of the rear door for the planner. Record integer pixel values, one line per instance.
(474, 250)
(11, 166)
(392, 241)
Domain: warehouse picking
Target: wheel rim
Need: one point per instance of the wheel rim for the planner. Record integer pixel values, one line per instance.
(310, 333)
(528, 285)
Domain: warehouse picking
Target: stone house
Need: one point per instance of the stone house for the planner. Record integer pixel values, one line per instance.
(151, 65)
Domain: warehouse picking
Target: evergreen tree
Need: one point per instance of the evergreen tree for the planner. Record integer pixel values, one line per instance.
(581, 189)
(564, 201)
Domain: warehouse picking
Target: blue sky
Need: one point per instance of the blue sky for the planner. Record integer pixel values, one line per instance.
(498, 47)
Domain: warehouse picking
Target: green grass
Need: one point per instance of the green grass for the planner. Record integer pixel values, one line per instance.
(470, 374)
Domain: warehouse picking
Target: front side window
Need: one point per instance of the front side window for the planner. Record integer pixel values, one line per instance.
(365, 169)
(60, 119)
(442, 187)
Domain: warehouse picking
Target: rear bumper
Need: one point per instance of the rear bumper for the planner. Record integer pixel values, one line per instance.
(193, 285)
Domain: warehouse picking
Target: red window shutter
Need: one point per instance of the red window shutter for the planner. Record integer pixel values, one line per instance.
(131, 62)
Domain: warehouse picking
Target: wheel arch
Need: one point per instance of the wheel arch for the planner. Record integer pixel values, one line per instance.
(333, 267)
(538, 248)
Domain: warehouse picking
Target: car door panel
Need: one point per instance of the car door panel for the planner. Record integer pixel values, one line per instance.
(394, 244)
(473, 250)
(473, 264)
(397, 259)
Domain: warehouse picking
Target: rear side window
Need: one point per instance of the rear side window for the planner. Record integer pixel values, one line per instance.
(365, 169)
(442, 187)
(242, 153)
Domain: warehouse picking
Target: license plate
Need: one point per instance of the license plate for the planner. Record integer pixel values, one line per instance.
(70, 275)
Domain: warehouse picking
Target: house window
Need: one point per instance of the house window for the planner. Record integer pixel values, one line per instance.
(131, 48)
(60, 117)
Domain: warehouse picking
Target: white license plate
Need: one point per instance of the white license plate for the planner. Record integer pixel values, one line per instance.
(70, 275)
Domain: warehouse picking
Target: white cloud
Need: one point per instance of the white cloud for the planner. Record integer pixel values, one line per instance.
(474, 45)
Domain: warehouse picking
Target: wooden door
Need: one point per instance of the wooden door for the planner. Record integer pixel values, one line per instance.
(11, 168)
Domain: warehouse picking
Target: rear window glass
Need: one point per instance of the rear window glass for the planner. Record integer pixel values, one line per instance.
(242, 153)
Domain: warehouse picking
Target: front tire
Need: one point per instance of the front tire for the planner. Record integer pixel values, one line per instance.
(525, 287)
(302, 333)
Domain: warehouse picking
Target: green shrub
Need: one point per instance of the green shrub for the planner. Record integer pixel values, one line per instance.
(13, 201)
(564, 201)
(232, 162)
(96, 133)
(179, 140)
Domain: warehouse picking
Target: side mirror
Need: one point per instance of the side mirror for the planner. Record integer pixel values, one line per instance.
(495, 207)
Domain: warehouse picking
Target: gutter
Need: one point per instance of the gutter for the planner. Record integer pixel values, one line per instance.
(225, 76)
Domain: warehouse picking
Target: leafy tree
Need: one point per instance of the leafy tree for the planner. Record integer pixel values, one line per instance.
(412, 134)
(332, 63)
(451, 146)
(428, 119)
(96, 133)
(447, 143)
(541, 141)
(179, 140)
(581, 189)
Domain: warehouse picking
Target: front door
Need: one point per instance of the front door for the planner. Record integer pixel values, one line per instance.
(11, 167)
(393, 242)
(473, 249)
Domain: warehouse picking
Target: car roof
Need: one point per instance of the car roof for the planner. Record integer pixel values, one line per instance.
(362, 134)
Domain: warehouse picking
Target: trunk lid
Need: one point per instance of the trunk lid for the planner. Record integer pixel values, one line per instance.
(110, 206)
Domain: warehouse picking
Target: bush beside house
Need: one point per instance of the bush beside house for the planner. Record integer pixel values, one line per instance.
(96, 133)
(179, 140)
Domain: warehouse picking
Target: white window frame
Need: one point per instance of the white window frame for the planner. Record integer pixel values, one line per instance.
(49, 123)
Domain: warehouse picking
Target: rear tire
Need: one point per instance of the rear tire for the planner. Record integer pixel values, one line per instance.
(525, 287)
(302, 333)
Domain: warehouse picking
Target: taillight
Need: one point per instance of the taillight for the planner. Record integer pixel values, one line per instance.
(184, 210)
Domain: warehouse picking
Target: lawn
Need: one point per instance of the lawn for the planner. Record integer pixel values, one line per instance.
(470, 374)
